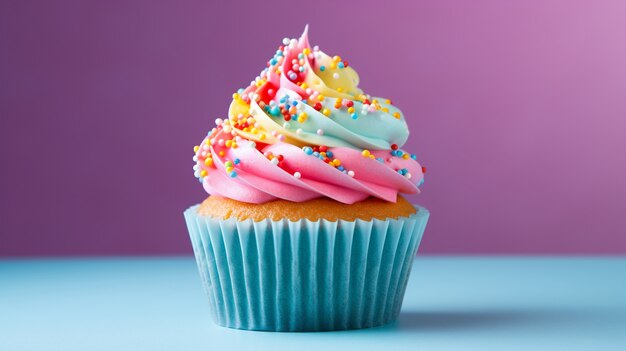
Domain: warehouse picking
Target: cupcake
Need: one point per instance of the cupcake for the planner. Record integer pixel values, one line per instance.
(305, 227)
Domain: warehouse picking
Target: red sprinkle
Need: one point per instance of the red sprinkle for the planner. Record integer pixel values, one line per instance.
(287, 117)
(349, 103)
(345, 63)
(280, 158)
(366, 102)
(317, 106)
(323, 148)
(423, 169)
(394, 146)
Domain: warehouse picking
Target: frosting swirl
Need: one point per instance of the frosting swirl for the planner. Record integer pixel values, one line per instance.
(303, 129)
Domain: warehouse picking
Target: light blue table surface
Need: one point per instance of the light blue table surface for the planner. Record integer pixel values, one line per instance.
(452, 303)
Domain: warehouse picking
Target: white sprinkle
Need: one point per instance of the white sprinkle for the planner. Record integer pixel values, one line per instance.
(195, 158)
(336, 75)
(220, 142)
(196, 167)
(297, 175)
(320, 132)
(351, 173)
(408, 175)
(219, 121)
(205, 147)
(286, 125)
(274, 161)
(252, 144)
(281, 137)
(298, 131)
(285, 41)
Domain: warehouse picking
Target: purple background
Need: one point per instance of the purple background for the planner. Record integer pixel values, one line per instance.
(517, 108)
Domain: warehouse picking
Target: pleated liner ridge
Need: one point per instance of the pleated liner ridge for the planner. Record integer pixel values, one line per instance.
(305, 275)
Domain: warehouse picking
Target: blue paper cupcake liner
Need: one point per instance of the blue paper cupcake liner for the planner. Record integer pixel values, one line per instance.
(305, 275)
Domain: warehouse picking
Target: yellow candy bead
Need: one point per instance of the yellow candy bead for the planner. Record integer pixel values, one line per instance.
(234, 145)
(302, 117)
(388, 102)
(320, 97)
(304, 86)
(365, 153)
(196, 148)
(208, 162)
(336, 162)
(222, 153)
(262, 137)
(228, 143)
(405, 156)
(396, 115)
(340, 89)
(235, 96)
(372, 157)
(203, 173)
(333, 65)
(326, 112)
(350, 109)
(306, 51)
(385, 109)
(229, 169)
(336, 58)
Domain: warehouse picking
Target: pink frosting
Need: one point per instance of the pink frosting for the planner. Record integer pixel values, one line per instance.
(258, 180)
